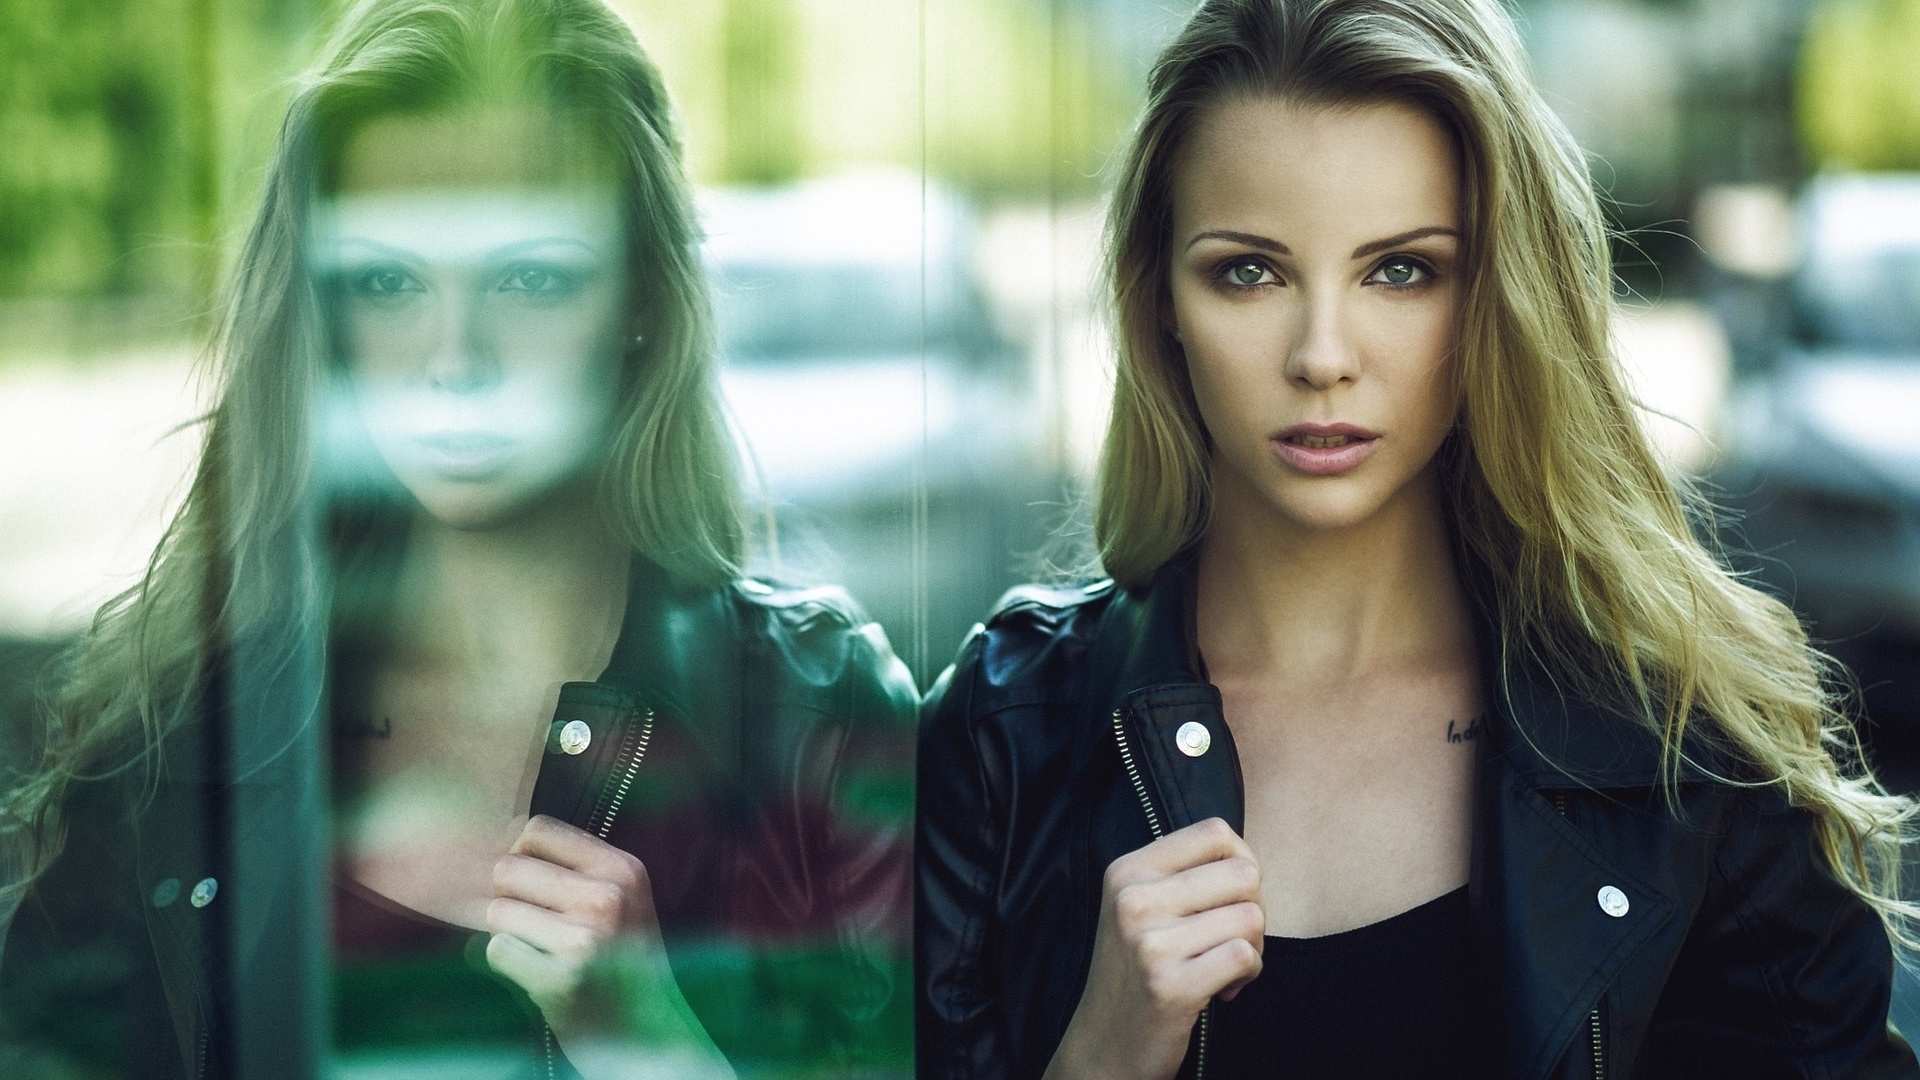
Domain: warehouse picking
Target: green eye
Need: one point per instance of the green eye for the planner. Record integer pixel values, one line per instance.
(537, 280)
(383, 281)
(1247, 273)
(529, 279)
(1400, 272)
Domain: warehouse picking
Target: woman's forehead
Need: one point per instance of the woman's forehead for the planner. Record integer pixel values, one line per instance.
(465, 224)
(1379, 168)
(504, 146)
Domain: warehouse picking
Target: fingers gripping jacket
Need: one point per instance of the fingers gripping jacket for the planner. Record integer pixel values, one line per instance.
(1181, 781)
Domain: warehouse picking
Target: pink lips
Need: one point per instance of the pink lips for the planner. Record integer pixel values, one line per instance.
(1324, 449)
(465, 455)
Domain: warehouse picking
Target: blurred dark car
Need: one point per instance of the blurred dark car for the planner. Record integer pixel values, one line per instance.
(872, 394)
(1823, 463)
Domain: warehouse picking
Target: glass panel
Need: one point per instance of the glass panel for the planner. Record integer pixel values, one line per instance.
(323, 693)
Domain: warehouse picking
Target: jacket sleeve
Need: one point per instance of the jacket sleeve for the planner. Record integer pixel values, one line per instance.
(1785, 972)
(957, 847)
(870, 862)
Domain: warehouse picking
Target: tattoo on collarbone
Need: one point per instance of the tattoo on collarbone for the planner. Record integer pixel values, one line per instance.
(362, 726)
(1463, 735)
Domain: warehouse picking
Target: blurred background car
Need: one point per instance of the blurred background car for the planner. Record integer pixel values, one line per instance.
(1822, 454)
(891, 432)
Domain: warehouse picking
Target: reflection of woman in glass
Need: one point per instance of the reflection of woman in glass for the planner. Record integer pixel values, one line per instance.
(468, 437)
(1415, 735)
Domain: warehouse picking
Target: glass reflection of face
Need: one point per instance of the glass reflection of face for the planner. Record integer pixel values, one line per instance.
(479, 277)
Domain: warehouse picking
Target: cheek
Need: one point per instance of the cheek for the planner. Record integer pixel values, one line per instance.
(1413, 350)
(377, 340)
(574, 331)
(570, 402)
(1235, 355)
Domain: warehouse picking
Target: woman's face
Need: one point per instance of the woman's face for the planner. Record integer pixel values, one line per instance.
(1314, 286)
(481, 300)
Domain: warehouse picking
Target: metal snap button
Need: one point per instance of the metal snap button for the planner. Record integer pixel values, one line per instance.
(166, 892)
(1193, 738)
(571, 737)
(1613, 901)
(203, 893)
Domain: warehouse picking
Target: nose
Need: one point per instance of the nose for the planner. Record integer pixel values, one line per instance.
(1321, 355)
(460, 356)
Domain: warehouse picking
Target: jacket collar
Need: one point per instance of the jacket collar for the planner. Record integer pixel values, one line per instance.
(1542, 732)
(671, 638)
(1146, 638)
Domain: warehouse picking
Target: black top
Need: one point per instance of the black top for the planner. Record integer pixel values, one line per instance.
(1382, 1001)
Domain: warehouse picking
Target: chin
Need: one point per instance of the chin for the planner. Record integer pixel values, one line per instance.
(505, 498)
(473, 512)
(1327, 505)
(478, 505)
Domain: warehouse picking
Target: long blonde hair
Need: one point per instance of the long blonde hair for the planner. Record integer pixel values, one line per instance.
(1551, 482)
(258, 556)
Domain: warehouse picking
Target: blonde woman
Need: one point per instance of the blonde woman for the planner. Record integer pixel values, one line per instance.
(1414, 735)
(466, 503)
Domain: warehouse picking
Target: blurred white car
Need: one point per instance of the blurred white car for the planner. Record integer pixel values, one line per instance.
(856, 340)
(1825, 447)
(861, 363)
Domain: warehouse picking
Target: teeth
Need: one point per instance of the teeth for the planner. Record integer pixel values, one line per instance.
(1322, 442)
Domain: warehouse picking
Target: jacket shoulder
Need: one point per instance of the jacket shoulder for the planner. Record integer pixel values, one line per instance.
(1031, 649)
(819, 637)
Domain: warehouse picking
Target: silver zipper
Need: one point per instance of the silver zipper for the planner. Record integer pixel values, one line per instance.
(1593, 1018)
(633, 747)
(1154, 826)
(1200, 1051)
(546, 1048)
(1599, 1059)
(1133, 773)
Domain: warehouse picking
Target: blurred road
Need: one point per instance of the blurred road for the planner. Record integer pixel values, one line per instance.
(92, 463)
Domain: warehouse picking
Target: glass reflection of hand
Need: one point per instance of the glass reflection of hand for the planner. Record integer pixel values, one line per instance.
(573, 925)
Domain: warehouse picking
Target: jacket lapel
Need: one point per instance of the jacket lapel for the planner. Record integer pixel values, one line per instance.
(1550, 947)
(673, 656)
(1169, 716)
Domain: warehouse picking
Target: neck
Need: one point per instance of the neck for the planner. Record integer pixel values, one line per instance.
(545, 591)
(1280, 600)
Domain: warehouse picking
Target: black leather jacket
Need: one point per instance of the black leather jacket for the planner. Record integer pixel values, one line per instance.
(751, 745)
(1047, 751)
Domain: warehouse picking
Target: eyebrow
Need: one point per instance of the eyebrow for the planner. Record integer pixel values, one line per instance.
(387, 250)
(1408, 237)
(1370, 248)
(519, 246)
(505, 251)
(1248, 239)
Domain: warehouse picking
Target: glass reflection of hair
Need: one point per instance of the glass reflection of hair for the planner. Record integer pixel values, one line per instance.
(469, 333)
(1369, 441)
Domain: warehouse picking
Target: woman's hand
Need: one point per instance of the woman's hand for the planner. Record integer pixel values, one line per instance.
(561, 898)
(1180, 923)
(573, 924)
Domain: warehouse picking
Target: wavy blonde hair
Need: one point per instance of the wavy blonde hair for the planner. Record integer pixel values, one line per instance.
(1550, 480)
(264, 548)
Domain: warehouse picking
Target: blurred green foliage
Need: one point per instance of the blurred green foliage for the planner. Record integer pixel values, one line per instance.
(122, 124)
(997, 97)
(1859, 93)
(133, 132)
